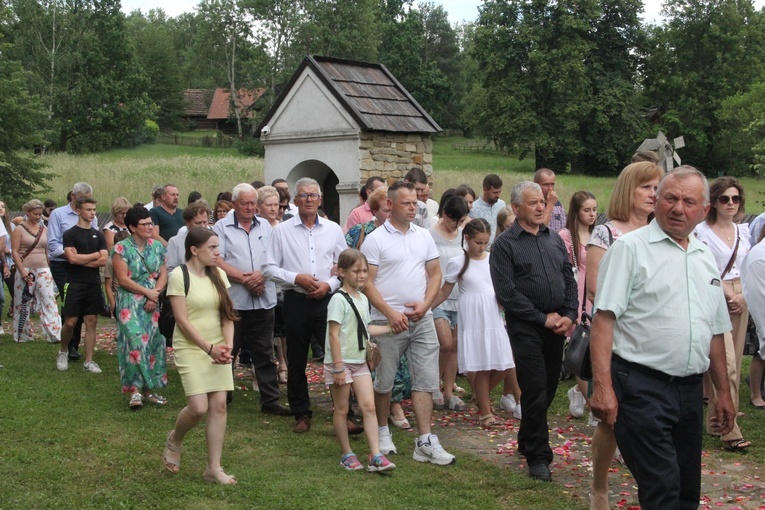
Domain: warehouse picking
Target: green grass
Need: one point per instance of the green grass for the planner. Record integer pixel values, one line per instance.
(69, 440)
(133, 172)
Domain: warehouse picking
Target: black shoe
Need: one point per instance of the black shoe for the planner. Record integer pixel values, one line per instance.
(229, 397)
(275, 408)
(540, 472)
(74, 354)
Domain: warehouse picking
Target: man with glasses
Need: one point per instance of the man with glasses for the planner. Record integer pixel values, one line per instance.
(301, 256)
(61, 220)
(243, 243)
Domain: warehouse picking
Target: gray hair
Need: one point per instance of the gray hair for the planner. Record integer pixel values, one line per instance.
(516, 194)
(32, 205)
(266, 191)
(304, 182)
(242, 188)
(683, 172)
(82, 187)
(542, 172)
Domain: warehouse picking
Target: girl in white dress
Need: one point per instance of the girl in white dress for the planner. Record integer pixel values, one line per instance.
(483, 346)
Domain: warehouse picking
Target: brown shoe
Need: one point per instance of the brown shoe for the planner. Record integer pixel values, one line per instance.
(353, 428)
(302, 425)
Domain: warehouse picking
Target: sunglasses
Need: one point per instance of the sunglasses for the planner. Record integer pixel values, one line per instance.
(724, 199)
(284, 207)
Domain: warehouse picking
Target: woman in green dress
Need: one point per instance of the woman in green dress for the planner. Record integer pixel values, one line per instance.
(139, 268)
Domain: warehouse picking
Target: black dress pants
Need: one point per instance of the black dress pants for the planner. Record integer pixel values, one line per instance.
(538, 354)
(255, 331)
(304, 318)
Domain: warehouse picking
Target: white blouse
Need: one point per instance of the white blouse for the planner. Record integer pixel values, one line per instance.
(722, 251)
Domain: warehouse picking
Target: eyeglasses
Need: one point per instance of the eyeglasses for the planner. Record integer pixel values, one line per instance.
(306, 196)
(145, 224)
(724, 199)
(284, 207)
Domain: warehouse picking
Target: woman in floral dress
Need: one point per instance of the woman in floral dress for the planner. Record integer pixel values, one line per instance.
(139, 268)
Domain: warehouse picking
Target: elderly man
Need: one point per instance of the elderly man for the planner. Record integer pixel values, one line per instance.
(301, 256)
(489, 204)
(534, 281)
(243, 242)
(363, 213)
(555, 214)
(167, 217)
(660, 315)
(404, 278)
(61, 220)
(197, 214)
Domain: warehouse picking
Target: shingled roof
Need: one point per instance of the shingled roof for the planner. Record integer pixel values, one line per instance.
(219, 108)
(196, 102)
(369, 92)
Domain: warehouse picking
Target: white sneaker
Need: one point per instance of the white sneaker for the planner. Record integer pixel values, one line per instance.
(432, 452)
(92, 367)
(2, 331)
(592, 420)
(576, 402)
(386, 444)
(438, 400)
(517, 412)
(62, 361)
(508, 403)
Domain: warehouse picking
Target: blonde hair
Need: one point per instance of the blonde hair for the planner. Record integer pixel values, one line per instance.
(633, 176)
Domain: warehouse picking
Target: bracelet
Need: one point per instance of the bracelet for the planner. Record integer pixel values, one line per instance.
(339, 371)
(390, 329)
(211, 348)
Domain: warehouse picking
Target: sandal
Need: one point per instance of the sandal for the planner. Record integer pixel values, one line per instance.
(457, 389)
(156, 399)
(219, 477)
(487, 421)
(136, 402)
(737, 445)
(402, 424)
(282, 377)
(172, 455)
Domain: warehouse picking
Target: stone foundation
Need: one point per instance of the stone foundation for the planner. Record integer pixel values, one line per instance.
(391, 155)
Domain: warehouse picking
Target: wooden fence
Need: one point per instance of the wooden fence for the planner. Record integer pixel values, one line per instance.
(218, 141)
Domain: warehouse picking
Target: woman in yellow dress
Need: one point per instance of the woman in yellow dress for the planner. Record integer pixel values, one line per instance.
(203, 339)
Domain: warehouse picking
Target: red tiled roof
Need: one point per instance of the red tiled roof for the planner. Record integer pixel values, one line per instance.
(219, 108)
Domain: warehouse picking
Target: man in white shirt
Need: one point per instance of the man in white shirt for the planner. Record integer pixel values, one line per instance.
(753, 288)
(197, 214)
(301, 256)
(404, 278)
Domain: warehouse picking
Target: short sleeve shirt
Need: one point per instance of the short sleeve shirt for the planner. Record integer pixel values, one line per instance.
(668, 301)
(85, 241)
(168, 224)
(400, 259)
(340, 311)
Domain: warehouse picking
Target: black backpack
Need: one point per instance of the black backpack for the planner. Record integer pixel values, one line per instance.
(166, 322)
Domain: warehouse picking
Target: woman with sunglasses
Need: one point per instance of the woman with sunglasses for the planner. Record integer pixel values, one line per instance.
(729, 243)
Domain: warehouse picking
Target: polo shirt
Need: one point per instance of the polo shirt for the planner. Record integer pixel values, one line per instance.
(400, 258)
(296, 249)
(481, 209)
(360, 214)
(61, 219)
(246, 251)
(168, 223)
(668, 301)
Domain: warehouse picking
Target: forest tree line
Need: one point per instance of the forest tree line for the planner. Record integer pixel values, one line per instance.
(576, 84)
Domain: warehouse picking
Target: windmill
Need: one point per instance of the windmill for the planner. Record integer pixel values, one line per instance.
(666, 150)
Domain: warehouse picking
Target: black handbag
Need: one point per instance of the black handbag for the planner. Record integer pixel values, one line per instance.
(577, 359)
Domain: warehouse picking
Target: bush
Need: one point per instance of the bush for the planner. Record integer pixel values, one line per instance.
(251, 147)
(150, 131)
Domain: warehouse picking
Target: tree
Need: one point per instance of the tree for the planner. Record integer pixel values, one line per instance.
(152, 39)
(23, 118)
(707, 51)
(340, 28)
(743, 130)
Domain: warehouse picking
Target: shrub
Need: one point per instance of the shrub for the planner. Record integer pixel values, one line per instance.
(150, 131)
(251, 147)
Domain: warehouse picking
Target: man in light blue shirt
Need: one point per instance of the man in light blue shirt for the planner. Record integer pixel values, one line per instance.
(489, 204)
(243, 240)
(660, 315)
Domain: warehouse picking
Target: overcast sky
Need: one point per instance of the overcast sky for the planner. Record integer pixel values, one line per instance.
(459, 10)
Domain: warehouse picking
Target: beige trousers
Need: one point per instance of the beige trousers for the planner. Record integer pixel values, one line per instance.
(734, 352)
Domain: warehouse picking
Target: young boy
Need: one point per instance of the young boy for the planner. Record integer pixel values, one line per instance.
(85, 251)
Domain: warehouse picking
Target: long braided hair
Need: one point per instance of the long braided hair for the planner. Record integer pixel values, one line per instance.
(473, 228)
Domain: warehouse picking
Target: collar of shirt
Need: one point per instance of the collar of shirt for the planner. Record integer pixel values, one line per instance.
(235, 221)
(656, 235)
(297, 222)
(393, 230)
(516, 230)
